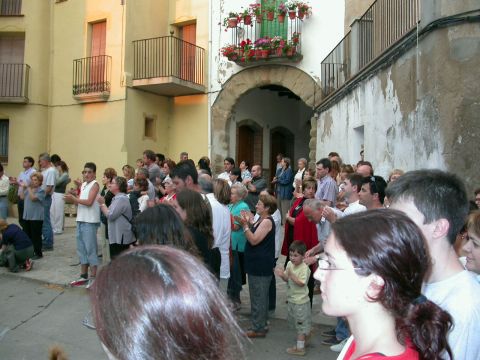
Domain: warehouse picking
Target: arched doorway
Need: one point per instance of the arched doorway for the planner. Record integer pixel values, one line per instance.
(246, 82)
(282, 141)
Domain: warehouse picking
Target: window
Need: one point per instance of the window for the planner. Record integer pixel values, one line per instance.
(150, 127)
(3, 141)
(10, 7)
(11, 64)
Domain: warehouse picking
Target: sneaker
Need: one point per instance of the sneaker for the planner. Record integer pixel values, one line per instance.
(339, 346)
(296, 351)
(90, 283)
(329, 333)
(255, 334)
(28, 265)
(331, 341)
(79, 282)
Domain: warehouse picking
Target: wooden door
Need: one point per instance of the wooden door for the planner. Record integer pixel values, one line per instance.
(245, 144)
(188, 33)
(11, 66)
(97, 62)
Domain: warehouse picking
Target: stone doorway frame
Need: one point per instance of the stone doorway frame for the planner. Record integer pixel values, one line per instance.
(290, 77)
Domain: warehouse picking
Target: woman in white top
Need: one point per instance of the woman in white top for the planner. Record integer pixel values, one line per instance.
(298, 178)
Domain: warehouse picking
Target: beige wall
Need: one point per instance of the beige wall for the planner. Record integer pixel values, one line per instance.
(354, 9)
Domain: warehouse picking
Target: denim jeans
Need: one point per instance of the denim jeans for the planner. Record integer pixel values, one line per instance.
(47, 231)
(341, 330)
(3, 207)
(258, 286)
(87, 243)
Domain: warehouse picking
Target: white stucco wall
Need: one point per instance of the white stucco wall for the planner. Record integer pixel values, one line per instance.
(320, 34)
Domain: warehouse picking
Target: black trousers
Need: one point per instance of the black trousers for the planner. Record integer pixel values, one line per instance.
(117, 249)
(33, 228)
(20, 206)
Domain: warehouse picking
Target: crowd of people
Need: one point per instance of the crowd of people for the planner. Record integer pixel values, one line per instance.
(403, 252)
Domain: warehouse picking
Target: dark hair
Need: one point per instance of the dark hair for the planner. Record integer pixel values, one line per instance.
(161, 225)
(204, 164)
(1, 167)
(298, 246)
(63, 165)
(175, 312)
(247, 163)
(199, 213)
(142, 184)
(236, 172)
(395, 250)
(326, 163)
(477, 191)
(377, 186)
(29, 159)
(367, 163)
(230, 160)
(91, 166)
(110, 173)
(222, 191)
(357, 180)
(55, 158)
(160, 157)
(170, 163)
(436, 194)
(268, 201)
(149, 154)
(121, 183)
(184, 169)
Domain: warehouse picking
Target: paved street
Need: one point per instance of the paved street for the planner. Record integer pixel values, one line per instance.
(39, 310)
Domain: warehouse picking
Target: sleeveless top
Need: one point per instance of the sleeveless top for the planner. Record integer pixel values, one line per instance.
(259, 259)
(88, 214)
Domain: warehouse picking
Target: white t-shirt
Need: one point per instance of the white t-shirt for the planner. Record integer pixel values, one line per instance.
(49, 178)
(222, 228)
(225, 176)
(460, 296)
(353, 208)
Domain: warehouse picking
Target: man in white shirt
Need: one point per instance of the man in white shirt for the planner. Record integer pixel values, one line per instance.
(24, 177)
(437, 202)
(48, 185)
(228, 165)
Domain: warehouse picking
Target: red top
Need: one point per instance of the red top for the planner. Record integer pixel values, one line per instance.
(303, 230)
(409, 354)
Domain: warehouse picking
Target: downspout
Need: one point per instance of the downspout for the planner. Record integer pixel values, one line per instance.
(209, 85)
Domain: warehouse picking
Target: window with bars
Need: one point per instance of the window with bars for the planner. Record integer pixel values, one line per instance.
(273, 28)
(4, 140)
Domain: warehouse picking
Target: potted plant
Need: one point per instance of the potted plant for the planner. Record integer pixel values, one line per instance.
(281, 12)
(245, 51)
(246, 16)
(295, 38)
(230, 52)
(277, 44)
(304, 10)
(270, 11)
(256, 10)
(292, 9)
(290, 49)
(262, 47)
(232, 20)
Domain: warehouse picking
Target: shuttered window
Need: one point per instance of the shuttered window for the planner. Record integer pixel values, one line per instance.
(3, 140)
(273, 28)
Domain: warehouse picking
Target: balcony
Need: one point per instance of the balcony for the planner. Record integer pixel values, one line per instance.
(11, 8)
(265, 41)
(382, 26)
(91, 78)
(14, 83)
(168, 66)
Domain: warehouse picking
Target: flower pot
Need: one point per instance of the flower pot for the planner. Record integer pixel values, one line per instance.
(270, 15)
(291, 52)
(292, 14)
(281, 18)
(279, 52)
(247, 20)
(259, 18)
(240, 52)
(232, 22)
(258, 53)
(264, 53)
(232, 57)
(301, 14)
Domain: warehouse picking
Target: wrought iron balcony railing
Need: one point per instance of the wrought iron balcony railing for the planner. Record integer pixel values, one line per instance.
(249, 39)
(10, 7)
(91, 76)
(168, 56)
(14, 82)
(382, 25)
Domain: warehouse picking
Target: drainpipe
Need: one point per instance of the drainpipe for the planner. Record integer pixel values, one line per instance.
(209, 86)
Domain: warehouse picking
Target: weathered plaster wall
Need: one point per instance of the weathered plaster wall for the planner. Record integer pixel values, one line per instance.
(414, 116)
(354, 9)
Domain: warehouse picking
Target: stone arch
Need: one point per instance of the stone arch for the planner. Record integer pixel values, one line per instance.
(290, 77)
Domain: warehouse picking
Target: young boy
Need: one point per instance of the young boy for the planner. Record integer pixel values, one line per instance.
(296, 275)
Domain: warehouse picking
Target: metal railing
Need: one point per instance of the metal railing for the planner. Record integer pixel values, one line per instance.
(10, 7)
(14, 81)
(92, 75)
(380, 27)
(168, 56)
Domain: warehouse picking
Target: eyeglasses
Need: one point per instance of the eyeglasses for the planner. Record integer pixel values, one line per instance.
(324, 264)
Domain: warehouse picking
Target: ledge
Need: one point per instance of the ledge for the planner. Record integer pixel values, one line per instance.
(269, 60)
(92, 97)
